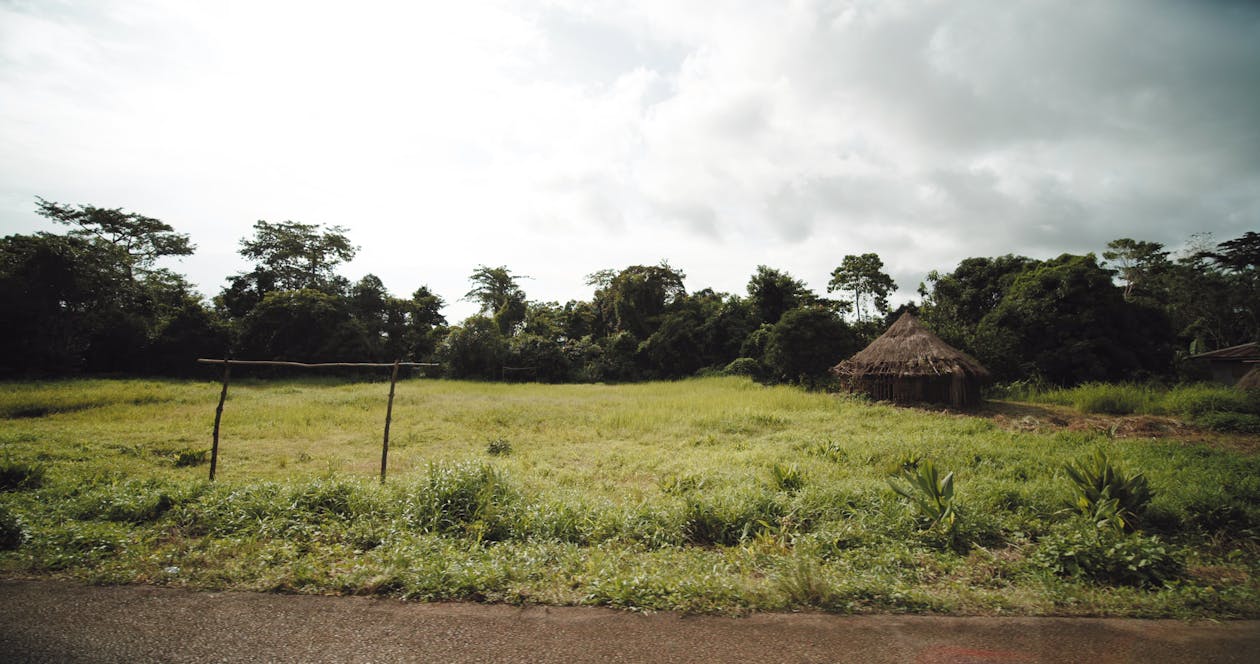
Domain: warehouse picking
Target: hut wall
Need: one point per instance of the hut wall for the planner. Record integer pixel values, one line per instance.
(959, 392)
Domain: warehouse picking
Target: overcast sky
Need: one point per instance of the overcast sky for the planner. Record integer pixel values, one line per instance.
(560, 138)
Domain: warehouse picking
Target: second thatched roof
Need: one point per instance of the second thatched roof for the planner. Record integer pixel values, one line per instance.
(1251, 381)
(909, 350)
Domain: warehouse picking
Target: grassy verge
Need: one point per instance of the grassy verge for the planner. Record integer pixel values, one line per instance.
(713, 495)
(1212, 406)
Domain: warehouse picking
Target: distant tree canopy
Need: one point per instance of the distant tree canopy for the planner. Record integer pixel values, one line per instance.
(96, 300)
(143, 239)
(863, 278)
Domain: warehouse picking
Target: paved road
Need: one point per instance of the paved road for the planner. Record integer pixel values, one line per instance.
(47, 621)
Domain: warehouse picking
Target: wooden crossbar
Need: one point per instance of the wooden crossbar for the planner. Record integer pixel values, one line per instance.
(227, 365)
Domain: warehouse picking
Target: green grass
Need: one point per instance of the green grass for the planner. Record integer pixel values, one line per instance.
(713, 495)
(1191, 401)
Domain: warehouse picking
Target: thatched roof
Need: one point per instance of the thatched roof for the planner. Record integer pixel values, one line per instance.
(1251, 381)
(909, 350)
(1242, 353)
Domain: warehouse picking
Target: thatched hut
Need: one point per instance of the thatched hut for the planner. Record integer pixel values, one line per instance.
(1229, 365)
(909, 364)
(1251, 381)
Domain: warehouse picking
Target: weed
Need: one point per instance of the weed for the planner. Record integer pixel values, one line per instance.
(1109, 557)
(829, 449)
(677, 485)
(1107, 495)
(466, 498)
(931, 495)
(787, 477)
(20, 476)
(186, 457)
(804, 584)
(498, 447)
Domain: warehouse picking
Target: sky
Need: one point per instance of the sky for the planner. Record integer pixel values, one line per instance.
(561, 138)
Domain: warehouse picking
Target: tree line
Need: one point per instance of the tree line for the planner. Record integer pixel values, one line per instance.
(93, 300)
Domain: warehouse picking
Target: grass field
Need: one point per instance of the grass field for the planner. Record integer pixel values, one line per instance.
(716, 495)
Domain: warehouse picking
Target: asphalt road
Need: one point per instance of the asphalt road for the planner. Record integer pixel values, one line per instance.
(49, 621)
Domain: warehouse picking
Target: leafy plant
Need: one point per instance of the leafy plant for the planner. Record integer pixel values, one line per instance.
(1109, 557)
(931, 494)
(906, 462)
(1107, 495)
(787, 477)
(186, 458)
(19, 476)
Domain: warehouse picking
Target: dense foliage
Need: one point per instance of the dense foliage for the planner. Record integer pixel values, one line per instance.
(94, 300)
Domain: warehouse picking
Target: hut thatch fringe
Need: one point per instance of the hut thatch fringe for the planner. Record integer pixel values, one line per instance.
(909, 364)
(1251, 381)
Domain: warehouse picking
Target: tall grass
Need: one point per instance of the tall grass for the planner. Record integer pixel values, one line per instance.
(705, 495)
(1191, 400)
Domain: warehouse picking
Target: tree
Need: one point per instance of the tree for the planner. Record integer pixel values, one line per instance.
(863, 276)
(143, 239)
(427, 325)
(956, 302)
(806, 343)
(1137, 261)
(475, 349)
(771, 293)
(289, 256)
(500, 296)
(303, 326)
(635, 299)
(57, 294)
(1065, 320)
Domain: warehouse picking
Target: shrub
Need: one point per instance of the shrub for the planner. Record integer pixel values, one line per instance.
(1108, 557)
(498, 447)
(19, 476)
(743, 366)
(1106, 494)
(187, 458)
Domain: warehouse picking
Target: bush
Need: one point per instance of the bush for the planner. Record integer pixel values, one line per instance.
(19, 476)
(743, 366)
(1108, 558)
(187, 458)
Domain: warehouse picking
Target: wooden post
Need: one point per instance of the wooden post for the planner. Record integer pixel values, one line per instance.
(389, 413)
(218, 416)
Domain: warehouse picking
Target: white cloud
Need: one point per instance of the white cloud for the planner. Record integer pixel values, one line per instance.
(563, 137)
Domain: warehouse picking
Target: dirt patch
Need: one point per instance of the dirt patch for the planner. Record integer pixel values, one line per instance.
(1045, 418)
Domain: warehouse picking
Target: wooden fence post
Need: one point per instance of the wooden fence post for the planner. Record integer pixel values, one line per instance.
(389, 413)
(218, 416)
